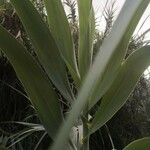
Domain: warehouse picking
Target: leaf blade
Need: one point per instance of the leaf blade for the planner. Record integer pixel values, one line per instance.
(86, 33)
(143, 143)
(122, 86)
(44, 44)
(88, 87)
(34, 80)
(111, 55)
(60, 30)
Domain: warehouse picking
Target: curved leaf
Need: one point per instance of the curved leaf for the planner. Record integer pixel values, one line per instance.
(122, 86)
(44, 44)
(140, 144)
(113, 49)
(60, 30)
(35, 82)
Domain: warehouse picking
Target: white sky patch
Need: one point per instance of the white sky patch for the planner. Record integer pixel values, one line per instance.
(100, 22)
(99, 7)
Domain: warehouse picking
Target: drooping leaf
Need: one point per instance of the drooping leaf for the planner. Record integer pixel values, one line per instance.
(44, 44)
(86, 33)
(113, 49)
(35, 82)
(60, 30)
(140, 144)
(122, 86)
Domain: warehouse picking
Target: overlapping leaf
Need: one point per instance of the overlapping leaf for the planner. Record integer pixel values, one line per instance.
(113, 49)
(44, 44)
(91, 84)
(61, 32)
(122, 86)
(35, 82)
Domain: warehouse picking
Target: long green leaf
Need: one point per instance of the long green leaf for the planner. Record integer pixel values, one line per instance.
(86, 33)
(60, 30)
(35, 82)
(113, 49)
(122, 86)
(143, 61)
(140, 144)
(96, 72)
(44, 44)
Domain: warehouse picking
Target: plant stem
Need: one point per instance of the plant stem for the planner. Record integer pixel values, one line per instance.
(85, 130)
